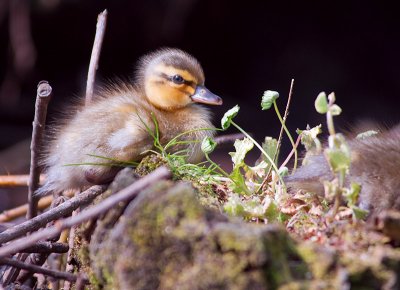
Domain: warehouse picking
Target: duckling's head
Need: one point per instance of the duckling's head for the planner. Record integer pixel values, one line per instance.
(172, 79)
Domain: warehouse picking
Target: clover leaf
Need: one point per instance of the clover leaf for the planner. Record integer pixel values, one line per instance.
(229, 115)
(268, 99)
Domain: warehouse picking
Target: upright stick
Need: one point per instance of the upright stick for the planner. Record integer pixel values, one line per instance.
(42, 100)
(94, 59)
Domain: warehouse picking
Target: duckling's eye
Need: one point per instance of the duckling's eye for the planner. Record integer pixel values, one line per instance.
(177, 79)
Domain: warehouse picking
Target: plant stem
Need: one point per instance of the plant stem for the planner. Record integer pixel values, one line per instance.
(173, 140)
(288, 134)
(291, 152)
(329, 121)
(217, 166)
(43, 96)
(261, 149)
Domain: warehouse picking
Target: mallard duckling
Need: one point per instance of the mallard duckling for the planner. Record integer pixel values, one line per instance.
(169, 83)
(375, 166)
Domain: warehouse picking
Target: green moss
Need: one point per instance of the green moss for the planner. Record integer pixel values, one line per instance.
(320, 260)
(149, 164)
(167, 240)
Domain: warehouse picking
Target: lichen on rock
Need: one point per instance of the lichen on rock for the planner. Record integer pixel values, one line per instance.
(167, 240)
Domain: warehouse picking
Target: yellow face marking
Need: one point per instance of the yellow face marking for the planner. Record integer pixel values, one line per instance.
(189, 89)
(164, 96)
(164, 93)
(171, 71)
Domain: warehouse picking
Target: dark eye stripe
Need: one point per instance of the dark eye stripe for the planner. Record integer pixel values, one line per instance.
(186, 82)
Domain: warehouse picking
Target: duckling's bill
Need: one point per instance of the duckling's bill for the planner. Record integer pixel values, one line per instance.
(203, 95)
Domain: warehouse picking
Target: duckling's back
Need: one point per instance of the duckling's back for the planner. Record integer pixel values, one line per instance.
(111, 127)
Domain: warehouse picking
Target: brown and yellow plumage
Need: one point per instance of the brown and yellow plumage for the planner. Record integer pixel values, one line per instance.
(168, 84)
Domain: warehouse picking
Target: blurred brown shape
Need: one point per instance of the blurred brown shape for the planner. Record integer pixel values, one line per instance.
(22, 52)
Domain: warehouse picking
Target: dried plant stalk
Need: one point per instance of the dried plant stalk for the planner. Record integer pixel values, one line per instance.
(94, 59)
(126, 194)
(42, 100)
(11, 214)
(17, 180)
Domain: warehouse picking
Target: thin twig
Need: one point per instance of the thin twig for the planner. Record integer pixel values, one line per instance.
(11, 214)
(42, 100)
(17, 180)
(38, 269)
(80, 283)
(12, 273)
(128, 193)
(21, 275)
(292, 152)
(71, 241)
(94, 59)
(64, 209)
(47, 247)
(285, 116)
(228, 138)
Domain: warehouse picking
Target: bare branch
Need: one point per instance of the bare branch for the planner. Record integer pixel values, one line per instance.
(17, 180)
(38, 269)
(42, 100)
(11, 273)
(64, 209)
(126, 194)
(11, 214)
(94, 59)
(47, 247)
(80, 283)
(71, 241)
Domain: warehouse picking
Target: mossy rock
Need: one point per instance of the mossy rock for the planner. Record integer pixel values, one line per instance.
(167, 240)
(205, 192)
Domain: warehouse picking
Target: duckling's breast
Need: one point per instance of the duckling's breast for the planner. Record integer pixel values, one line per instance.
(192, 124)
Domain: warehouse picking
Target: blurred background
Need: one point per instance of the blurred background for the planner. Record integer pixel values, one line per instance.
(245, 47)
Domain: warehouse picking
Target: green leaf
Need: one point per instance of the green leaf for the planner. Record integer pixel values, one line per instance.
(283, 171)
(271, 212)
(253, 207)
(332, 98)
(268, 99)
(309, 138)
(270, 145)
(208, 145)
(256, 172)
(335, 110)
(239, 183)
(352, 193)
(338, 141)
(359, 213)
(338, 154)
(321, 103)
(338, 159)
(229, 115)
(234, 206)
(241, 147)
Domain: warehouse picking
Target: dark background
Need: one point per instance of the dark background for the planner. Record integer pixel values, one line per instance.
(245, 47)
